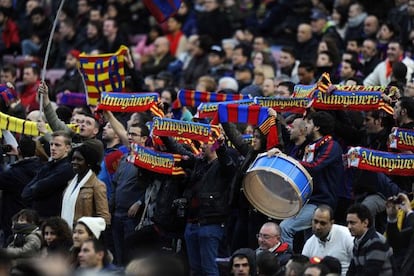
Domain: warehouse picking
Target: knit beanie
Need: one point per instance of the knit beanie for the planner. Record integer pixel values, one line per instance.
(95, 224)
(92, 150)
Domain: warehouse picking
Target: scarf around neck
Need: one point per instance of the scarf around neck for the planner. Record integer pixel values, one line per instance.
(70, 196)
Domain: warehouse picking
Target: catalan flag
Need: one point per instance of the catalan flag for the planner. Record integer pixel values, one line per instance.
(386, 108)
(103, 73)
(194, 98)
(324, 82)
(162, 9)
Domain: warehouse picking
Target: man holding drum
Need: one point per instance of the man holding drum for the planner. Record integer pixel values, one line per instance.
(323, 160)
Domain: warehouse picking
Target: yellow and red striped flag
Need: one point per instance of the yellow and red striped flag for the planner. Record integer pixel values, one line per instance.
(103, 73)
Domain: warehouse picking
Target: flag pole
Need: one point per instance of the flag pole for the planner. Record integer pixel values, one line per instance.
(49, 44)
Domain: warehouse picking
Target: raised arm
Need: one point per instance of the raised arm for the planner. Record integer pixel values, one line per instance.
(117, 127)
(50, 114)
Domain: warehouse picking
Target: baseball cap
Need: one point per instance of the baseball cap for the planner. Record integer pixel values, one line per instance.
(318, 14)
(75, 53)
(216, 49)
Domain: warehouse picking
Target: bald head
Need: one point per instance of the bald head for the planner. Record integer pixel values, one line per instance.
(304, 33)
(162, 46)
(269, 235)
(371, 25)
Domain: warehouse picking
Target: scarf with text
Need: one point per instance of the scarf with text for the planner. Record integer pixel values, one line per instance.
(189, 130)
(380, 161)
(402, 139)
(159, 162)
(130, 102)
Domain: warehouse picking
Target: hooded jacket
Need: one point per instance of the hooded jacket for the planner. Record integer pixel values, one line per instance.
(251, 258)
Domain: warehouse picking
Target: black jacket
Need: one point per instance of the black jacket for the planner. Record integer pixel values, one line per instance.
(45, 192)
(12, 182)
(209, 184)
(402, 242)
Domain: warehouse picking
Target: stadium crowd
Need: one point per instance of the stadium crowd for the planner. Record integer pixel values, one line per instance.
(72, 202)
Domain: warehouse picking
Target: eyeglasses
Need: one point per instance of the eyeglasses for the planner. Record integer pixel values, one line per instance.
(265, 236)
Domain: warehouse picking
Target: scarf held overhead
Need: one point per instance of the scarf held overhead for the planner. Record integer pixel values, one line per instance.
(293, 105)
(380, 161)
(190, 130)
(194, 98)
(103, 73)
(179, 139)
(209, 110)
(235, 113)
(159, 162)
(128, 102)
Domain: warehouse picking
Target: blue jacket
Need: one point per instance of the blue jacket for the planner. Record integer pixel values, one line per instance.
(109, 165)
(128, 186)
(327, 171)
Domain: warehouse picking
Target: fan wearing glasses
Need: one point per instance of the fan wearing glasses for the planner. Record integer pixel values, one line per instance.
(269, 239)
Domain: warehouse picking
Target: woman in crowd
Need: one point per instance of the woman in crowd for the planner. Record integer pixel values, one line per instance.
(86, 194)
(85, 229)
(57, 235)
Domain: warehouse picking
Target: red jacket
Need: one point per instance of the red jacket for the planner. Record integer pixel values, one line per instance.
(28, 97)
(10, 34)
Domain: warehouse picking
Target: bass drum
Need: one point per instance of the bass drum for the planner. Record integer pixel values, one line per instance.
(277, 186)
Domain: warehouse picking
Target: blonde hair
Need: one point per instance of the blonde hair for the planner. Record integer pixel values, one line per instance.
(209, 83)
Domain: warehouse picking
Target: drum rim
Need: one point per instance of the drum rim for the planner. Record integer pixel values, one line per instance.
(266, 212)
(292, 184)
(288, 179)
(296, 162)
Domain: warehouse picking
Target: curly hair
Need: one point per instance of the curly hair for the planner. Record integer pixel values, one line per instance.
(60, 227)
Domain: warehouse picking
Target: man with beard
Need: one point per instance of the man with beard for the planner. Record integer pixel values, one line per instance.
(71, 81)
(404, 112)
(329, 239)
(377, 127)
(323, 160)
